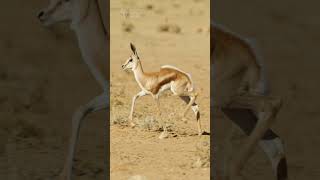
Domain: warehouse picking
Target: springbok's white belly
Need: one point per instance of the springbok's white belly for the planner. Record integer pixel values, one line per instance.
(165, 87)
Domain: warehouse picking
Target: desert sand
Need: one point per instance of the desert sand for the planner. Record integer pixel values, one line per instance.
(164, 32)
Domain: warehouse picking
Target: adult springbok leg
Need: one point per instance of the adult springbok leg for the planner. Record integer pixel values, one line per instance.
(270, 143)
(140, 94)
(98, 103)
(195, 109)
(269, 106)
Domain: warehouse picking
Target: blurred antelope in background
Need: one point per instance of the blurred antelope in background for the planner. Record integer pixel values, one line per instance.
(89, 24)
(240, 92)
(169, 77)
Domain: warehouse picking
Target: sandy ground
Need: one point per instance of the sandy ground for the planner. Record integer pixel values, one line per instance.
(287, 33)
(164, 32)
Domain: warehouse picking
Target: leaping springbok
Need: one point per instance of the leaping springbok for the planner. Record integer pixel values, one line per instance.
(169, 77)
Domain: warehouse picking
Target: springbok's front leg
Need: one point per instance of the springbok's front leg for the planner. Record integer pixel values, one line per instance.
(270, 107)
(96, 104)
(164, 134)
(140, 94)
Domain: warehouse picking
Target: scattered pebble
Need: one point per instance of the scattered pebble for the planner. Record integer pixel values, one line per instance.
(137, 177)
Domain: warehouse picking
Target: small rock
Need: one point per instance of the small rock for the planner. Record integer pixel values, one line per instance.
(198, 163)
(137, 177)
(163, 135)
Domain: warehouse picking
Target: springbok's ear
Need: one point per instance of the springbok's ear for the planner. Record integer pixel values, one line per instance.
(133, 48)
(79, 10)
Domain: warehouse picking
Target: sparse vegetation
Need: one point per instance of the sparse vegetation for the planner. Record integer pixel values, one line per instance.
(149, 7)
(203, 153)
(127, 27)
(25, 129)
(170, 28)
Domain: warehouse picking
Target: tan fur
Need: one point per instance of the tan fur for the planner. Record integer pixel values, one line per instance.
(153, 81)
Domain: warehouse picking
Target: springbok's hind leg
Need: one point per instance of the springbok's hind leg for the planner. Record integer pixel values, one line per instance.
(192, 97)
(270, 143)
(270, 107)
(195, 109)
(274, 149)
(96, 104)
(197, 114)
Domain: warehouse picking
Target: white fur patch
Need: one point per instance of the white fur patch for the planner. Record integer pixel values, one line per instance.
(195, 108)
(163, 88)
(274, 150)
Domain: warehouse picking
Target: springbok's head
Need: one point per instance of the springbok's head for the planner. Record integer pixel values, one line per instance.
(64, 11)
(133, 60)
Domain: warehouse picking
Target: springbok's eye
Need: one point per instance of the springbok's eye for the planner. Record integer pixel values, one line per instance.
(130, 60)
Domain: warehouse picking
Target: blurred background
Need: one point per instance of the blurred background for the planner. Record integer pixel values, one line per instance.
(43, 80)
(287, 33)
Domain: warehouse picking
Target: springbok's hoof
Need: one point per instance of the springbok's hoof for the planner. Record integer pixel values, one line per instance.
(200, 133)
(132, 124)
(164, 135)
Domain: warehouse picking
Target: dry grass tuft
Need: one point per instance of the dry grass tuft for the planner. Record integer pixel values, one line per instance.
(170, 28)
(149, 7)
(203, 153)
(127, 27)
(25, 129)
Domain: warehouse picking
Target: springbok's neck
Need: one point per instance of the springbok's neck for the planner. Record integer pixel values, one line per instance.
(139, 74)
(139, 68)
(93, 44)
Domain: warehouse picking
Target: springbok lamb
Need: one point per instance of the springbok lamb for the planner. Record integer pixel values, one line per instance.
(240, 92)
(87, 21)
(169, 77)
